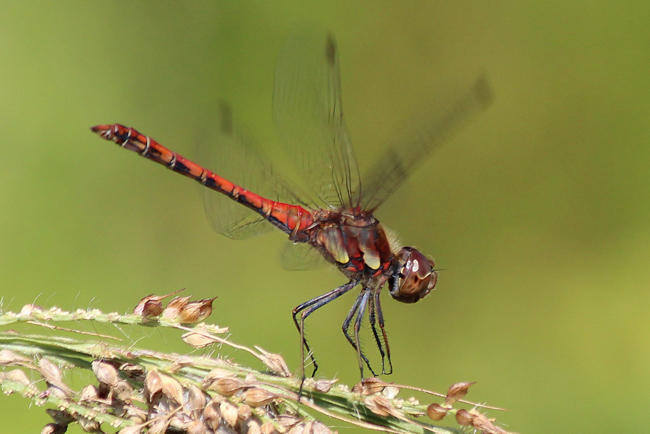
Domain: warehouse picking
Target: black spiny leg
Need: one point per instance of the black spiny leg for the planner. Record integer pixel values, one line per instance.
(306, 309)
(358, 308)
(373, 324)
(380, 318)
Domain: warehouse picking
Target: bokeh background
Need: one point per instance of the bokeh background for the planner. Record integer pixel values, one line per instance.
(538, 212)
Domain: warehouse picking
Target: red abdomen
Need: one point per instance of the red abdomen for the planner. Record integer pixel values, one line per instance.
(291, 219)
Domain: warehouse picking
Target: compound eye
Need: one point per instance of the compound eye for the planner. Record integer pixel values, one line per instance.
(416, 277)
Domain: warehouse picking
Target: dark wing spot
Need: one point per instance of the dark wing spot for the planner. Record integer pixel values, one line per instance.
(483, 92)
(225, 118)
(330, 50)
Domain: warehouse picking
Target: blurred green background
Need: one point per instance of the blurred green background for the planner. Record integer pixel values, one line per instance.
(538, 212)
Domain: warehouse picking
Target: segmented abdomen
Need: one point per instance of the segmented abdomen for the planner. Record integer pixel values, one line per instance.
(291, 219)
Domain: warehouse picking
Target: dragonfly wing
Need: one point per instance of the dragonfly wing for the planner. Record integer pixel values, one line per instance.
(401, 159)
(309, 116)
(229, 152)
(301, 257)
(231, 222)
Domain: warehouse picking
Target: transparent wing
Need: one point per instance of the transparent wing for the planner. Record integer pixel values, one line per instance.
(228, 152)
(402, 159)
(301, 257)
(309, 116)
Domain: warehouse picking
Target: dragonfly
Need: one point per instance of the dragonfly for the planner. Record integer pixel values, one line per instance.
(334, 219)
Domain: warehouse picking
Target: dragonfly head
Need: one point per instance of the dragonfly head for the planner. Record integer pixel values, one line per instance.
(414, 277)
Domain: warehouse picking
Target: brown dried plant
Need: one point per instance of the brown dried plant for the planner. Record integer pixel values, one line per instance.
(142, 391)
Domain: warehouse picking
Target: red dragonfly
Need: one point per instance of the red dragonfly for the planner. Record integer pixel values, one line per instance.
(337, 222)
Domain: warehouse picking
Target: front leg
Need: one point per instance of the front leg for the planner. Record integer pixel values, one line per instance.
(306, 309)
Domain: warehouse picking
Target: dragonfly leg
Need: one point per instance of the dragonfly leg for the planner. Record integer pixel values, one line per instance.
(376, 305)
(357, 328)
(357, 310)
(309, 307)
(373, 325)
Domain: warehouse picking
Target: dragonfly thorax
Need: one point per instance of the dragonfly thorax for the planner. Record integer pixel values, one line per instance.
(355, 241)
